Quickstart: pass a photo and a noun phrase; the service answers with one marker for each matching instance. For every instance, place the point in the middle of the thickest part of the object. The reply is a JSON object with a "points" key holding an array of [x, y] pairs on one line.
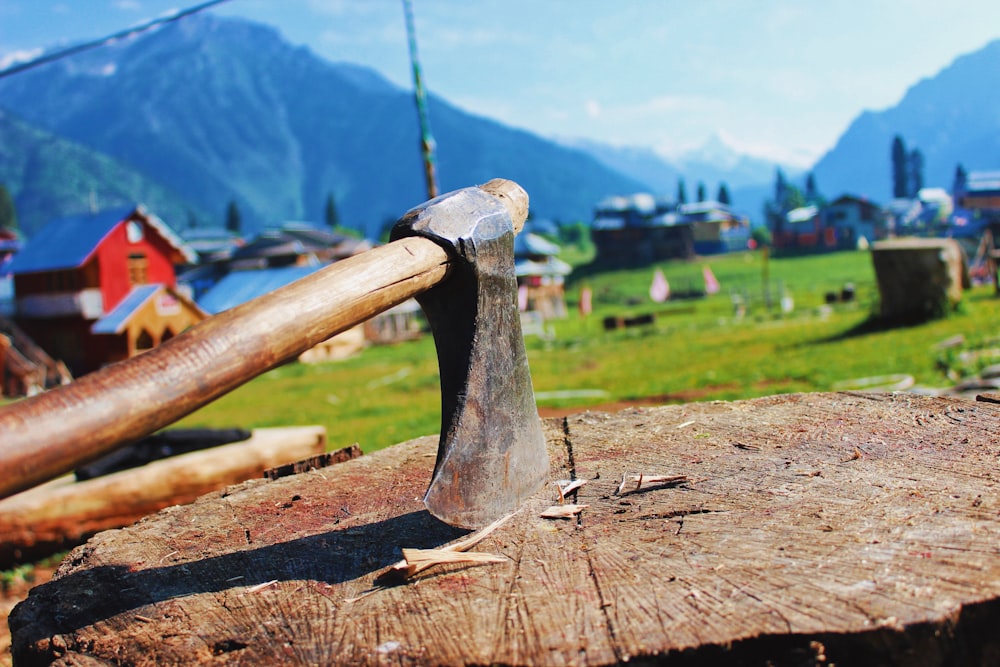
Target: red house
{"points": [[95, 289]]}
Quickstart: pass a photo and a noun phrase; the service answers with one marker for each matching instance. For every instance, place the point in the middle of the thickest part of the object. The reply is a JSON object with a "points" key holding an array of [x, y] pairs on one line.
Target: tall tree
{"points": [[958, 185], [8, 214], [233, 221], [900, 168], [915, 173], [330, 214], [701, 192], [682, 197], [812, 192], [780, 187], [723, 196]]}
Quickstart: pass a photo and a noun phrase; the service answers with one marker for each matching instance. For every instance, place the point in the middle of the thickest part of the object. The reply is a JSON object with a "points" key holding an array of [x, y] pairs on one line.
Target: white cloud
{"points": [[593, 108], [128, 5]]}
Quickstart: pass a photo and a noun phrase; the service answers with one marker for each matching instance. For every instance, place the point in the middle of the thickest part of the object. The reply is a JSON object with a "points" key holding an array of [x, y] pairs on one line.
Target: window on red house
{"points": [[138, 269]]}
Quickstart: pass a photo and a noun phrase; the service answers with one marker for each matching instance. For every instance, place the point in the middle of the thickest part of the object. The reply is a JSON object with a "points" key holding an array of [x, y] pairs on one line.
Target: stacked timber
{"points": [[64, 512]]}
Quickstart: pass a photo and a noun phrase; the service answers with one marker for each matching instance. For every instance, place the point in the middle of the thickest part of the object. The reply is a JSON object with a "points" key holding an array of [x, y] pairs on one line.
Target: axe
{"points": [[455, 253]]}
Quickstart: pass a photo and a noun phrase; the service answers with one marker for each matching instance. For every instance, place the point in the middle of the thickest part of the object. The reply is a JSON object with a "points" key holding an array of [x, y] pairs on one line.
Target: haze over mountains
{"points": [[212, 110]]}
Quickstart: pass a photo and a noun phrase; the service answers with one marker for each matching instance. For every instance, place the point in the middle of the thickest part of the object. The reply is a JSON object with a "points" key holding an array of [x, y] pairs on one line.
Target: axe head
{"points": [[492, 452]]}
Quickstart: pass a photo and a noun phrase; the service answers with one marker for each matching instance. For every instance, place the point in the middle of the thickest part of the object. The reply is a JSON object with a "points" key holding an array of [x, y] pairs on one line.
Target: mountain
{"points": [[52, 177], [951, 118], [219, 110], [748, 178]]}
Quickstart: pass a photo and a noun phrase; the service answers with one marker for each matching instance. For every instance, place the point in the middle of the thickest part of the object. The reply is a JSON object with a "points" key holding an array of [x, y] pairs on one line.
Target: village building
{"points": [[803, 229], [715, 228], [857, 222], [640, 230], [97, 288], [541, 276], [977, 200]]}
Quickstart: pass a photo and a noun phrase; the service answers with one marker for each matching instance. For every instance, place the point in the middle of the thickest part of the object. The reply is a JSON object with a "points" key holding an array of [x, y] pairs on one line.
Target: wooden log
{"points": [[63, 513], [846, 528]]}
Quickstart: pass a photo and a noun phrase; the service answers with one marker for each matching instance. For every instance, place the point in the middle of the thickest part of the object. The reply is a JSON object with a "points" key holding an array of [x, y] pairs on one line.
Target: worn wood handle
{"points": [[52, 433]]}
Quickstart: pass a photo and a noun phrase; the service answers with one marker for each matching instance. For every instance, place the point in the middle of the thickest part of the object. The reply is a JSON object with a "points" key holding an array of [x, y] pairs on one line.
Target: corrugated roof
{"points": [[68, 242], [242, 286], [114, 322], [802, 214], [552, 266], [533, 244]]}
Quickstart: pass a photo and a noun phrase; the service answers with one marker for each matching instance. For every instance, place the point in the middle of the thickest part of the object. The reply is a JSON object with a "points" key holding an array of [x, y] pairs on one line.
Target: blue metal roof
{"points": [[113, 322], [242, 286], [68, 242], [533, 244]]}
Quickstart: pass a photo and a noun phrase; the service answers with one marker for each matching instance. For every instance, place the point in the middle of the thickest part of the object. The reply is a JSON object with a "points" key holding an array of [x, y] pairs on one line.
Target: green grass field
{"points": [[695, 350]]}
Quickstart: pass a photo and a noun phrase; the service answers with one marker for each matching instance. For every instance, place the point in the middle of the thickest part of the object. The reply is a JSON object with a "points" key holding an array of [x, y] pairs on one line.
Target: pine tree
{"points": [[233, 221], [723, 196], [960, 183], [701, 192], [915, 173], [330, 214], [812, 192], [780, 187], [682, 196], [900, 168], [8, 214]]}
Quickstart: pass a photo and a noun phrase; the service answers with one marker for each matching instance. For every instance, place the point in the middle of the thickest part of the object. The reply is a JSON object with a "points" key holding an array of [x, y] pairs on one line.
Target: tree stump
{"points": [[919, 278], [849, 528]]}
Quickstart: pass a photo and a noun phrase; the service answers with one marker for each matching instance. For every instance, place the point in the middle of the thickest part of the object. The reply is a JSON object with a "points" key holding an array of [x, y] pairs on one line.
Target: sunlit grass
{"points": [[694, 350]]}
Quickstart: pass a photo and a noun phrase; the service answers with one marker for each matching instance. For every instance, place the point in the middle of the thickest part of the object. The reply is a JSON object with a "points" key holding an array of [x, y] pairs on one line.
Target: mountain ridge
{"points": [[223, 109]]}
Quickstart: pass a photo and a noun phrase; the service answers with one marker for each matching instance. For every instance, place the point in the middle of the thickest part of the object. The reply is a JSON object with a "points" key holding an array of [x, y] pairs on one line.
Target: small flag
{"points": [[659, 291], [711, 284], [586, 297]]}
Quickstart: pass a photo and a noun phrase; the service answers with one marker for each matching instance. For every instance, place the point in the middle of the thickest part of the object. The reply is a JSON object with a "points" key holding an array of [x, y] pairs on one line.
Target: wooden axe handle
{"points": [[52, 433]]}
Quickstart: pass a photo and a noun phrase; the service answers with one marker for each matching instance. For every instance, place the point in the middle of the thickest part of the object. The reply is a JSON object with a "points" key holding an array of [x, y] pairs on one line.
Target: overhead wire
{"points": [[46, 58]]}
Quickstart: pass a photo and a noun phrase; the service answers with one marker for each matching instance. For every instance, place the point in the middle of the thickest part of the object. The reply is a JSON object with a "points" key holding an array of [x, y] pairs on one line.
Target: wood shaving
{"points": [[562, 511], [404, 569], [647, 480], [418, 560], [567, 486]]}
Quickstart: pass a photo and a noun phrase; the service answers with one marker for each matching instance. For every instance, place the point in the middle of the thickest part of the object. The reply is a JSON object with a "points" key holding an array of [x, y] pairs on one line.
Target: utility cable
{"points": [[73, 50]]}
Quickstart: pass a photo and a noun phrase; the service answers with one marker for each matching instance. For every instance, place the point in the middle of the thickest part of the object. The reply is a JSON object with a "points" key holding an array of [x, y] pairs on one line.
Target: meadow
{"points": [[694, 350]]}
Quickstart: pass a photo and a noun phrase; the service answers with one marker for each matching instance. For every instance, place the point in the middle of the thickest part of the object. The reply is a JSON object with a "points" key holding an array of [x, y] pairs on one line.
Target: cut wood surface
{"points": [[60, 513], [846, 528]]}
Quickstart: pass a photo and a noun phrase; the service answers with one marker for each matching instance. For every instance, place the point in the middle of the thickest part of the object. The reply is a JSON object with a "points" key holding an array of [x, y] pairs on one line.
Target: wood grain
{"points": [[812, 529]]}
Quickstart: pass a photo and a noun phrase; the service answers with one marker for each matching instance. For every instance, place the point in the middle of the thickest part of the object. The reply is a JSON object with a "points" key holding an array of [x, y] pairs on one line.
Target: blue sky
{"points": [[775, 78]]}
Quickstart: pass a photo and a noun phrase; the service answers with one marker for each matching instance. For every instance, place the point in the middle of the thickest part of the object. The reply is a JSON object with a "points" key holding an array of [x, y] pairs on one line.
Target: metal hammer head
{"points": [[492, 454]]}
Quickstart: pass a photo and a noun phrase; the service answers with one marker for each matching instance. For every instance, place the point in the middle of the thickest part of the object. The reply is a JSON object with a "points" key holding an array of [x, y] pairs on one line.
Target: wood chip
{"points": [[260, 587], [420, 559], [567, 486], [404, 570], [643, 479], [562, 511]]}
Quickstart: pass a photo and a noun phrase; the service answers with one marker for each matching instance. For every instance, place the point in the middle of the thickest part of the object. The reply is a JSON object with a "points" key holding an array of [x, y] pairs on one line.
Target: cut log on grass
{"points": [[919, 278], [62, 513], [810, 529]]}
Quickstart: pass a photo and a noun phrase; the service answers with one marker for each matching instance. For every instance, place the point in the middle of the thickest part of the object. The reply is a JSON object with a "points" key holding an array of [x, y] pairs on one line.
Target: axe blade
{"points": [[492, 453]]}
